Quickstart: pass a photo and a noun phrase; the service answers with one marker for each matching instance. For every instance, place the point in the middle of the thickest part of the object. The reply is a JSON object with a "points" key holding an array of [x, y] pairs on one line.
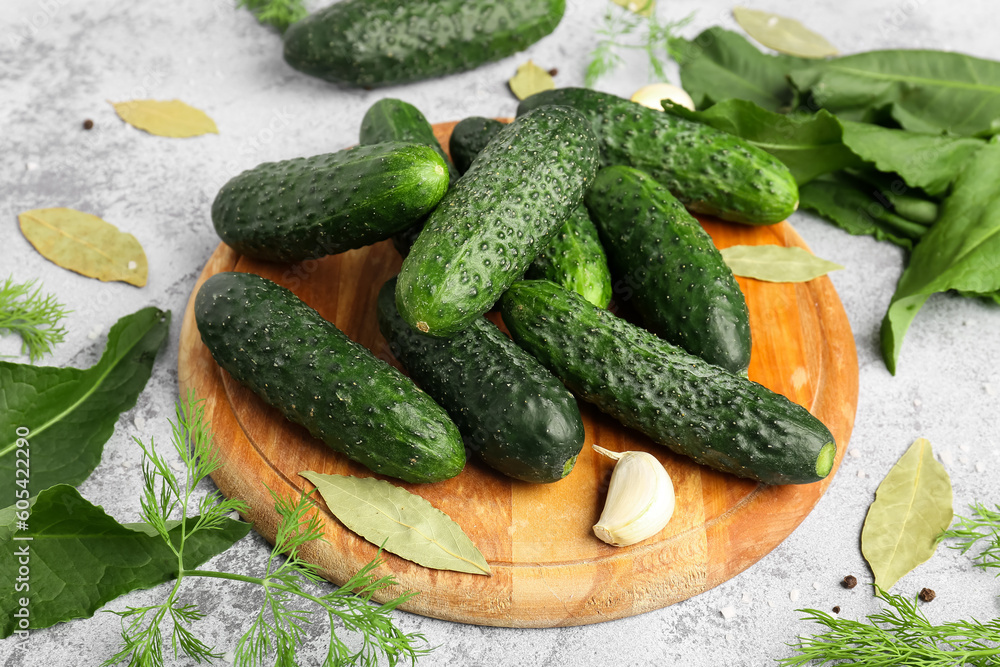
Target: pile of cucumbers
{"points": [[582, 197]]}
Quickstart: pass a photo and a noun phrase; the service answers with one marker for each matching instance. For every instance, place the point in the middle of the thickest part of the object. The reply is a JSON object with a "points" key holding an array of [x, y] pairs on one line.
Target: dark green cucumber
{"points": [[309, 207], [493, 222], [721, 420], [469, 137], [390, 119], [395, 120], [299, 362], [509, 409], [385, 42], [575, 259], [711, 171], [679, 283]]}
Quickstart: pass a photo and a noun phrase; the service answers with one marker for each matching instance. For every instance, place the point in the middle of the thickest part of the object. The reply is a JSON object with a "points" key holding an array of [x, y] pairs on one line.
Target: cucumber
{"points": [[373, 43], [469, 137], [720, 420], [575, 259], [493, 222], [679, 282], [513, 412], [390, 119], [309, 207], [711, 171], [299, 362], [395, 120]]}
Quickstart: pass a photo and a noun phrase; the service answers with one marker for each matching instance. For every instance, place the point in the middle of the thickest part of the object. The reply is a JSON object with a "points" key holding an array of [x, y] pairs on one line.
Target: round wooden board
{"points": [[548, 568]]}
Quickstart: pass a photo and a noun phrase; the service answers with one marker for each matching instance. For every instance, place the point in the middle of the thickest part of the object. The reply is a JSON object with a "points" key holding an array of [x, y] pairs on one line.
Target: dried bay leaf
{"points": [[530, 79], [783, 34], [640, 7], [86, 244], [912, 508], [400, 522], [171, 118], [776, 264]]}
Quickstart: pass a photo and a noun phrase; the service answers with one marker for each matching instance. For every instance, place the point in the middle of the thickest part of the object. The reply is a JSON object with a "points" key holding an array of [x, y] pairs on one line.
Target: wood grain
{"points": [[548, 568]]}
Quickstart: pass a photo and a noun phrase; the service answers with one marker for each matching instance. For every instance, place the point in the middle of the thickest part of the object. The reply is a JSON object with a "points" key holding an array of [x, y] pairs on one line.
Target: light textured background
{"points": [[61, 60]]}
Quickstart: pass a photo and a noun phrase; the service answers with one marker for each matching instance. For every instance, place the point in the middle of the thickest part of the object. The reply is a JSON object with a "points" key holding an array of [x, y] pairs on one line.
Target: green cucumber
{"points": [[299, 362], [513, 412], [390, 119], [395, 120], [386, 42], [575, 259], [469, 137], [309, 207], [679, 283], [493, 222], [720, 420], [711, 171]]}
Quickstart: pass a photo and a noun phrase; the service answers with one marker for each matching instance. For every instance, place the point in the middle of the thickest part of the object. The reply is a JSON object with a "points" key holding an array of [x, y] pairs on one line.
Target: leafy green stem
{"points": [[34, 317]]}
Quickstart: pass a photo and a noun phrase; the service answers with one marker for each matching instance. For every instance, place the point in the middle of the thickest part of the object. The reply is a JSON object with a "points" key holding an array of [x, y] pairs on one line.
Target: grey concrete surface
{"points": [[61, 60]]}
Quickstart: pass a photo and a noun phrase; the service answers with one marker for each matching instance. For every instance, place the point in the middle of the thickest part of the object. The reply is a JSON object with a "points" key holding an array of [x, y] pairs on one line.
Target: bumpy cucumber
{"points": [[385, 42], [309, 207], [709, 170], [390, 119], [721, 420], [493, 222], [299, 362], [519, 417], [469, 138], [680, 284], [575, 259]]}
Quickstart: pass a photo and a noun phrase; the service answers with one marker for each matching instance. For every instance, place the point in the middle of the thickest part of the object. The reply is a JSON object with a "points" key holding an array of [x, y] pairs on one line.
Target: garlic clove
{"points": [[640, 499], [652, 95]]}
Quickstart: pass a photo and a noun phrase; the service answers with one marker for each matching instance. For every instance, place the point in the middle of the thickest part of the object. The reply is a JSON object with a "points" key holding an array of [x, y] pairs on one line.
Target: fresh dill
{"points": [[898, 635], [624, 29], [277, 13], [32, 316], [984, 524], [287, 608]]}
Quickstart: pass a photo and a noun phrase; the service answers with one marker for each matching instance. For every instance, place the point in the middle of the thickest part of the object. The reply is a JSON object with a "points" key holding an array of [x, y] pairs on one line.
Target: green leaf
{"points": [[79, 558], [400, 522], [958, 253], [276, 13], [720, 64], [849, 204], [930, 90], [641, 7], [776, 264], [809, 144], [912, 507], [928, 161], [68, 413], [530, 79], [783, 34]]}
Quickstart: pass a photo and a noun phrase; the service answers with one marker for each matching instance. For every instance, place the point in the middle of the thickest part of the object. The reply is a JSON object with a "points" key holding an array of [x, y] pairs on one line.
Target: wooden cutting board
{"points": [[548, 568]]}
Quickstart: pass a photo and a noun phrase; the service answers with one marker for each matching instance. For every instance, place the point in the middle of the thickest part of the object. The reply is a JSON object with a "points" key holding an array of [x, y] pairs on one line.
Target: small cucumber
{"points": [[385, 42], [711, 171], [299, 362], [575, 259], [469, 137], [493, 222], [309, 207], [721, 420], [390, 119], [395, 120], [680, 284], [513, 412]]}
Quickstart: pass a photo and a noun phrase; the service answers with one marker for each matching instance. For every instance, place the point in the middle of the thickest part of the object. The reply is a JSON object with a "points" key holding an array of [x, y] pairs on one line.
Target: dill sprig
{"points": [[651, 36], [898, 635], [32, 316], [984, 524], [287, 608], [277, 13]]}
